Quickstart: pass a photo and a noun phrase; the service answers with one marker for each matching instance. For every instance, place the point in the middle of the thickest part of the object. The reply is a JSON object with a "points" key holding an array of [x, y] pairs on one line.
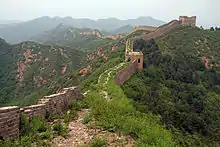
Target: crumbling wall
{"points": [[125, 73], [52, 104]]}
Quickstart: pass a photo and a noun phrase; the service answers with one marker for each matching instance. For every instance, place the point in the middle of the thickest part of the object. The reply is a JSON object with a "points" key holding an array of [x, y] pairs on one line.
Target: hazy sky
{"points": [[166, 10]]}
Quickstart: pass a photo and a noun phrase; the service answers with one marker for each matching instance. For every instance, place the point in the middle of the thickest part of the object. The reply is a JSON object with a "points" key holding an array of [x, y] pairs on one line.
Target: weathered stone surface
{"points": [[55, 103], [9, 122], [124, 74]]}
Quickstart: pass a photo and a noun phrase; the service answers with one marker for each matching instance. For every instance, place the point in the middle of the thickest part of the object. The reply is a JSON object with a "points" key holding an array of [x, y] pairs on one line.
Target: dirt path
{"points": [[81, 135], [108, 74]]}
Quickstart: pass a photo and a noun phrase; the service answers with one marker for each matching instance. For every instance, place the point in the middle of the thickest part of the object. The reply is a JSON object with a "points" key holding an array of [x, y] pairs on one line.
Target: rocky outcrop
{"points": [[64, 68], [100, 52], [85, 70]]}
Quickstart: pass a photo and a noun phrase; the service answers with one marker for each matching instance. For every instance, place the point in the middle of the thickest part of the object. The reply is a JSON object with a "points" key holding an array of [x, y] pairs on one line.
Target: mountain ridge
{"points": [[23, 31]]}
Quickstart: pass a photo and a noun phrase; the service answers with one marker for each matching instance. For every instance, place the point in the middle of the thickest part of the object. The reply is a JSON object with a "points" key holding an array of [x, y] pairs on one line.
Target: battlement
{"points": [[188, 21], [132, 56]]}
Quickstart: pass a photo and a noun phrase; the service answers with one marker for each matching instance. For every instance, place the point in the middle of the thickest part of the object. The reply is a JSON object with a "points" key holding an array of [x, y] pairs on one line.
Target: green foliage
{"points": [[46, 136], [87, 118], [32, 131], [119, 115], [176, 85], [97, 142], [38, 76], [60, 128], [37, 125]]}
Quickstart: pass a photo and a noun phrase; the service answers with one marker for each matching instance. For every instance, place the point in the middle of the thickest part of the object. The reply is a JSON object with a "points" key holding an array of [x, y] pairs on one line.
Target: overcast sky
{"points": [[166, 10]]}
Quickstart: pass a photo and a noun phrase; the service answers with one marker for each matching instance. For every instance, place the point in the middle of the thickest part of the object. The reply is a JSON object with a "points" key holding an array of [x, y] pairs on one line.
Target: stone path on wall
{"points": [[81, 135], [107, 74]]}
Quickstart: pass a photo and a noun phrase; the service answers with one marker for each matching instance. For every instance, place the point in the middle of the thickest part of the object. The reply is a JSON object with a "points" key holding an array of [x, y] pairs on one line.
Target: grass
{"points": [[119, 115], [98, 142], [61, 129]]}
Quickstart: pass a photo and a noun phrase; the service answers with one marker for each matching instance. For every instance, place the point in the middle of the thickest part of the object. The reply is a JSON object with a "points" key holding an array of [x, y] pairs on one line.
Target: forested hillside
{"points": [[180, 83], [28, 70], [83, 39]]}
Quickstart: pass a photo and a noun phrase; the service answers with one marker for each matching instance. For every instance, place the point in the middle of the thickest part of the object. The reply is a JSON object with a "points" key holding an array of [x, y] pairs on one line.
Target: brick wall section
{"points": [[146, 28], [53, 104], [188, 21], [34, 110], [163, 30], [125, 73], [9, 122]]}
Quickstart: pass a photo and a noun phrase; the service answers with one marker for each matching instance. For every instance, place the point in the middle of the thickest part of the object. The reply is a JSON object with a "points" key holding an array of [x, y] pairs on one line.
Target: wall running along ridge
{"points": [[136, 58], [145, 28], [125, 73], [52, 104]]}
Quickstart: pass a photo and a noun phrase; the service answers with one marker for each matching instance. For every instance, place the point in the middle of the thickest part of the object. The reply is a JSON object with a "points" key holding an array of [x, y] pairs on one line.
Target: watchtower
{"points": [[132, 56], [188, 21]]}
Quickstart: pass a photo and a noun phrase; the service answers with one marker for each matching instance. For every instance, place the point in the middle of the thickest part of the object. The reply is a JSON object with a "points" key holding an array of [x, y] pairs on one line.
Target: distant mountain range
{"points": [[23, 31], [72, 37]]}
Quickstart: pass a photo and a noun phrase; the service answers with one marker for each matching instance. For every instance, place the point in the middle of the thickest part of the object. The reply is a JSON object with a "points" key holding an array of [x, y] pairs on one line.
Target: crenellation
{"points": [[132, 56], [188, 21]]}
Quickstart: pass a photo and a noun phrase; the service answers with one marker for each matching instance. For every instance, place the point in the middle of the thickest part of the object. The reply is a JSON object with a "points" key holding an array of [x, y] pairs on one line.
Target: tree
{"points": [[212, 29]]}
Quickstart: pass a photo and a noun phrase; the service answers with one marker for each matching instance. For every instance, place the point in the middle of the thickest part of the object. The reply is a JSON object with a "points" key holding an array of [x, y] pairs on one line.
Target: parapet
{"points": [[53, 104], [188, 21]]}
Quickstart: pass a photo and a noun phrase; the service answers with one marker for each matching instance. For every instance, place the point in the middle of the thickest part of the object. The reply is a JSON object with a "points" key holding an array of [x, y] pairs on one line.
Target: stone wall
{"points": [[188, 21], [9, 122], [125, 73], [163, 30], [53, 104], [145, 28]]}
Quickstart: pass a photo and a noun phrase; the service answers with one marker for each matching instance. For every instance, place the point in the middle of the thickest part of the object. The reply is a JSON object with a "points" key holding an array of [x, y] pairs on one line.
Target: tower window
{"points": [[139, 60]]}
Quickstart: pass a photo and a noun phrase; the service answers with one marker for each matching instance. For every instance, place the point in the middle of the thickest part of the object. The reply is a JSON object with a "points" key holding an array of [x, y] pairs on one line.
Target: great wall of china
{"points": [[52, 104], [56, 103], [136, 58]]}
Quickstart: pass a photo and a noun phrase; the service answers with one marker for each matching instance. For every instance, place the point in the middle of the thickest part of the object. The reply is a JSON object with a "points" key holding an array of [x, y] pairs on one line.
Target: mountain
{"points": [[173, 101], [29, 70], [79, 38], [123, 30], [23, 31], [180, 83]]}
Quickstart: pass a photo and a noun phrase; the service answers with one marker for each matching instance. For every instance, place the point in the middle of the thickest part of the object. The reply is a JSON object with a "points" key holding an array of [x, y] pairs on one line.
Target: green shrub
{"points": [[120, 115], [46, 135], [87, 118], [37, 125], [98, 142], [67, 117], [77, 105], [24, 125], [60, 128]]}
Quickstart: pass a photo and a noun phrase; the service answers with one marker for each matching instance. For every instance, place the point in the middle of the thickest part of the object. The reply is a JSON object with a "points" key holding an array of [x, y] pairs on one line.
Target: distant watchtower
{"points": [[132, 56], [188, 21]]}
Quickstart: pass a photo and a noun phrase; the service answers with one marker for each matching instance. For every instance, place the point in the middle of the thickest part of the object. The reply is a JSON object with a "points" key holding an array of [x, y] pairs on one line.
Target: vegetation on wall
{"points": [[177, 85]]}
